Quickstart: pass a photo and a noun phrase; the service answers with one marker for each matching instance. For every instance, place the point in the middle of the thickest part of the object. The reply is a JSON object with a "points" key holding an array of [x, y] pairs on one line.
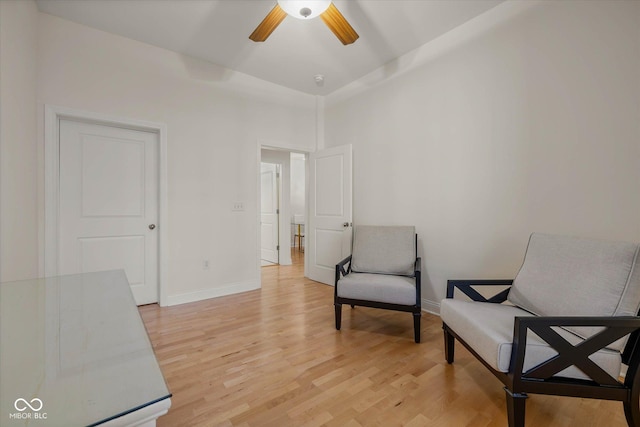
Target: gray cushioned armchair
{"points": [[383, 271], [564, 326]]}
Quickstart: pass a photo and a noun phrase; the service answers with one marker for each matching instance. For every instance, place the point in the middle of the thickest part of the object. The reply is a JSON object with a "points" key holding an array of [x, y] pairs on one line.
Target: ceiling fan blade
{"points": [[339, 25], [268, 24]]}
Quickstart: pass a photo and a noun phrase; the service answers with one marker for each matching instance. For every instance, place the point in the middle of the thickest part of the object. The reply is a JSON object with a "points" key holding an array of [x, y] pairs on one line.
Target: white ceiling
{"points": [[217, 31]]}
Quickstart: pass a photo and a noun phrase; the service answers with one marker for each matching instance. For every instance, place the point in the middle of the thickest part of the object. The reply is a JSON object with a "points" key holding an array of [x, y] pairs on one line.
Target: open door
{"points": [[269, 212], [330, 211]]}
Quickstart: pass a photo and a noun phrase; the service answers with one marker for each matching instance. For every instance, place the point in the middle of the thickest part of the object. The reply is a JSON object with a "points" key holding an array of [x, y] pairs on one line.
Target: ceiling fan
{"points": [[306, 9]]}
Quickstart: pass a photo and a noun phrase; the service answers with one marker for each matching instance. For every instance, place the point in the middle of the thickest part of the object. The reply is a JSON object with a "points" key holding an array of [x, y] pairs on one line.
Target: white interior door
{"points": [[108, 204], [330, 211], [269, 211]]}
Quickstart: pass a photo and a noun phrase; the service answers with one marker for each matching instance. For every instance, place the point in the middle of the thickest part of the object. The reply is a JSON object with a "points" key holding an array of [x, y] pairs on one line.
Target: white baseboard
{"points": [[431, 307], [203, 294]]}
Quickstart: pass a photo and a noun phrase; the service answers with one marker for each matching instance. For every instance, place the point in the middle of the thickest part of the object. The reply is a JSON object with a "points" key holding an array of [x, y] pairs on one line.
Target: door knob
{"points": [[346, 224], [152, 226]]}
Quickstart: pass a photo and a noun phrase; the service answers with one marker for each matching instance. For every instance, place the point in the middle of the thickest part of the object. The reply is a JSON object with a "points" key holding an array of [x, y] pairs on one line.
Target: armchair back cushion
{"points": [[568, 276], [384, 250]]}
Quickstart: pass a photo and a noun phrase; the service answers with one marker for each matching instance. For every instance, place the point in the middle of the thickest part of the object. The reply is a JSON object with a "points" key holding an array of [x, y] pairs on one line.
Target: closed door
{"points": [[330, 207], [108, 204], [269, 210]]}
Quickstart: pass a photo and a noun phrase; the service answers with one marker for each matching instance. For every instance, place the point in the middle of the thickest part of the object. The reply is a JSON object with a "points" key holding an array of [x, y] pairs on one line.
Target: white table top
{"points": [[74, 349]]}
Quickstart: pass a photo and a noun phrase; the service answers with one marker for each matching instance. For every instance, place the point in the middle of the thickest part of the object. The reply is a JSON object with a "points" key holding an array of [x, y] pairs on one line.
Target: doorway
{"points": [[291, 206], [298, 203]]}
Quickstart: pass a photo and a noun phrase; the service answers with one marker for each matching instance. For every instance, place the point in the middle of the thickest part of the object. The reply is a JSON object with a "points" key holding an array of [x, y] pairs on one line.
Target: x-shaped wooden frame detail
{"points": [[467, 288], [569, 354]]}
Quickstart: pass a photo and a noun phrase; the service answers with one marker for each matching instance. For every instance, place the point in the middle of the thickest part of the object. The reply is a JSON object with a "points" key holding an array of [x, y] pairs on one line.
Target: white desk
{"points": [[74, 352]]}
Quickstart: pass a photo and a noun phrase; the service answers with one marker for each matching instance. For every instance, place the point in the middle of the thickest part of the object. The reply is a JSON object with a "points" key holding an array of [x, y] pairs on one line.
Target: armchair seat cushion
{"points": [[488, 329], [378, 287]]}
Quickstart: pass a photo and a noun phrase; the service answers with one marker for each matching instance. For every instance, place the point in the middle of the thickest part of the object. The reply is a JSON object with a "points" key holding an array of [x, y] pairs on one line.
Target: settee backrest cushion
{"points": [[384, 249], [569, 276]]}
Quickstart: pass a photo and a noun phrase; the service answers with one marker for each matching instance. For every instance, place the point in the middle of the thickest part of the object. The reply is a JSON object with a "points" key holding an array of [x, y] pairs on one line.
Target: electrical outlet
{"points": [[238, 206], [205, 264]]}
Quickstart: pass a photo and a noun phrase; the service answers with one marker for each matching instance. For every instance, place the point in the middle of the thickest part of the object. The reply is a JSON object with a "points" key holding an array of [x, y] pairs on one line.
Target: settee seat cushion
{"points": [[488, 329], [378, 287]]}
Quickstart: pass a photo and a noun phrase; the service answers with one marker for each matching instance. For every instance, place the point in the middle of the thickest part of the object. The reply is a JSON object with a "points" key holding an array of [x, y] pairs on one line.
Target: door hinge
{"points": [[278, 211], [278, 248]]}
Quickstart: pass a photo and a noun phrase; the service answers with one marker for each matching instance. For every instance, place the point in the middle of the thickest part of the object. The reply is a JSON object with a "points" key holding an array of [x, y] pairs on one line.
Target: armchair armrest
{"points": [[614, 328], [340, 270], [467, 288], [417, 272]]}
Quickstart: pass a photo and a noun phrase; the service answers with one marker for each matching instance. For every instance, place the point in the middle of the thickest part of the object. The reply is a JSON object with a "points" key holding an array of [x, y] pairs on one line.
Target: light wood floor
{"points": [[272, 357]]}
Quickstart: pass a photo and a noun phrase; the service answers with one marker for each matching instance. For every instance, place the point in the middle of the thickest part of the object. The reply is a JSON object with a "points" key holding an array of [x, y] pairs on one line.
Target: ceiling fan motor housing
{"points": [[305, 11]]}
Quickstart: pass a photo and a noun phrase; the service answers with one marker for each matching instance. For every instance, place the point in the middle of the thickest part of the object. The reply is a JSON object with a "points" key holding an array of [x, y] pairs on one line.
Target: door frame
{"points": [[52, 116]]}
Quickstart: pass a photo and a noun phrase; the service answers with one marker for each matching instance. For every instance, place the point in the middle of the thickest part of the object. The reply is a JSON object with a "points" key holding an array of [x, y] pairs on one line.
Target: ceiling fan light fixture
{"points": [[304, 9]]}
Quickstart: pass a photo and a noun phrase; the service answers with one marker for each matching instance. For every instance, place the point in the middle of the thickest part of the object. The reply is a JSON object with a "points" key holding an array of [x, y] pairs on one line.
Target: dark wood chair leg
{"points": [[516, 403], [632, 413], [338, 308], [416, 326], [632, 408], [449, 346]]}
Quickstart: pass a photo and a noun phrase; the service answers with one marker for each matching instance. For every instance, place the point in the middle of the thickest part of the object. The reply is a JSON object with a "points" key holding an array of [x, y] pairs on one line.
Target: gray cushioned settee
{"points": [[564, 326]]}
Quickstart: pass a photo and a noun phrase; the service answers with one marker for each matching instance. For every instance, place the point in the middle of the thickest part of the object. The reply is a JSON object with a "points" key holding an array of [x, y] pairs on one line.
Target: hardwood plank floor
{"points": [[272, 357]]}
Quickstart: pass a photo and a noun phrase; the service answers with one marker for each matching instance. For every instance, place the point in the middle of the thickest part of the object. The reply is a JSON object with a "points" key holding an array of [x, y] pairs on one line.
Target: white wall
{"points": [[18, 136], [532, 124], [215, 118]]}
